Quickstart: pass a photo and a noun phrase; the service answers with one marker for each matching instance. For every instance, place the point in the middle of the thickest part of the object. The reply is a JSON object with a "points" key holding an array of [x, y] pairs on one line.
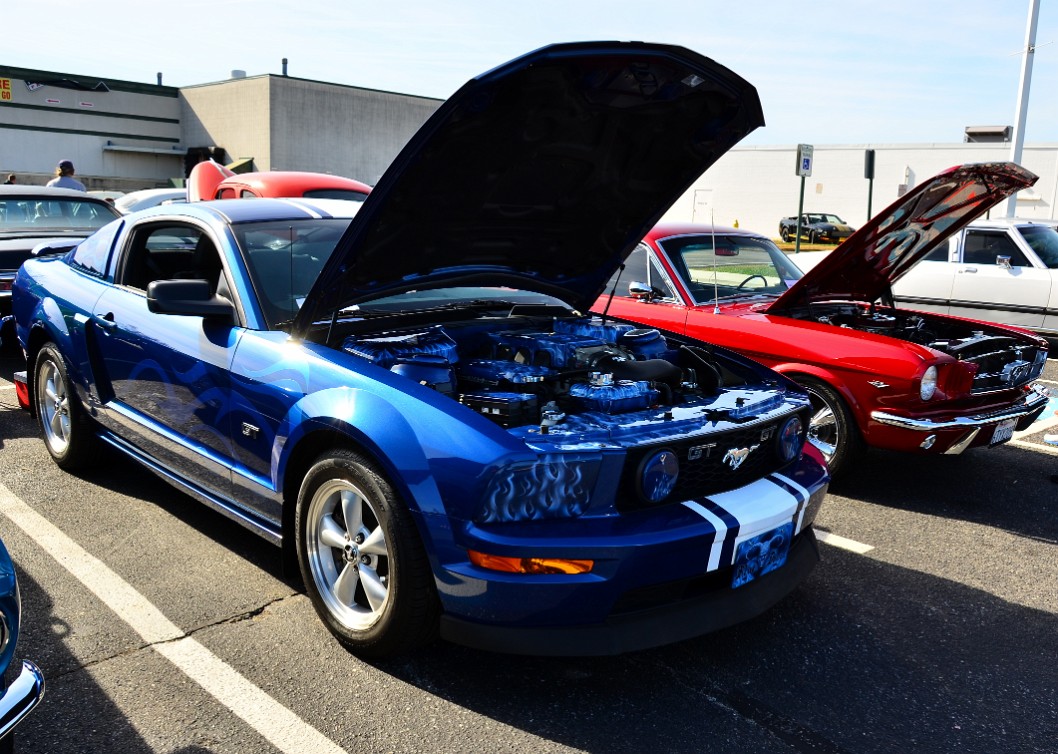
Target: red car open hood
{"points": [[865, 266]]}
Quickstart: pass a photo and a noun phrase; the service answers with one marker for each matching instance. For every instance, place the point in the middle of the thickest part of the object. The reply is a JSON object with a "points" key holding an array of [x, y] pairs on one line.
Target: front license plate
{"points": [[761, 554], [1003, 432]]}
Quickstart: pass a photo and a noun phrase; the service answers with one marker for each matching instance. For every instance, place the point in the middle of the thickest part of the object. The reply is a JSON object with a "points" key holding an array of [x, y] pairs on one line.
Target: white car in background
{"points": [[137, 200], [1003, 271]]}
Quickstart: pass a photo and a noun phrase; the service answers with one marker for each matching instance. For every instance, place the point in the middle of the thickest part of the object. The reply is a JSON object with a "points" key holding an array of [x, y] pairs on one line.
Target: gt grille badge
{"points": [[693, 454], [250, 431], [735, 456]]}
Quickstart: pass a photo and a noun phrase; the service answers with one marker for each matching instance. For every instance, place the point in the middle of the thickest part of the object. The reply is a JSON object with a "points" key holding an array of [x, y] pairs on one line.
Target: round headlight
{"points": [[791, 439], [929, 384], [657, 476]]}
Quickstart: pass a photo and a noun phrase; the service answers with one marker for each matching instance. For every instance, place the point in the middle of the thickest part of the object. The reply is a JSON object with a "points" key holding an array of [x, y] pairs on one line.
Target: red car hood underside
{"points": [[866, 265]]}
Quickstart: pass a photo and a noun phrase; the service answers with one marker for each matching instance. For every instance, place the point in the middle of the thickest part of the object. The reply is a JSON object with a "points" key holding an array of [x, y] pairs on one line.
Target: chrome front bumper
{"points": [[21, 697], [1034, 401]]}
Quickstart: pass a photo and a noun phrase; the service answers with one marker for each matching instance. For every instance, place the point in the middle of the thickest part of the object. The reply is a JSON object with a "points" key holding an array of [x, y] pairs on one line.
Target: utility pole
{"points": [[1023, 96]]}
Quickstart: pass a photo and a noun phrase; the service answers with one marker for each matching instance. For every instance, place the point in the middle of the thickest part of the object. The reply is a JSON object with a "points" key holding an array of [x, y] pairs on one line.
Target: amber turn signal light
{"points": [[529, 565]]}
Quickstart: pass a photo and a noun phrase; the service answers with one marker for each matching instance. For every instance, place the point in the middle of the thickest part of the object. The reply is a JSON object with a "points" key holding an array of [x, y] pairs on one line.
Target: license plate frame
{"points": [[1003, 432], [761, 554]]}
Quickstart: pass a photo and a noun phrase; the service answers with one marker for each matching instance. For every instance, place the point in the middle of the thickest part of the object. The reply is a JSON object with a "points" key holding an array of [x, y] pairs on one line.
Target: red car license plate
{"points": [[1003, 432]]}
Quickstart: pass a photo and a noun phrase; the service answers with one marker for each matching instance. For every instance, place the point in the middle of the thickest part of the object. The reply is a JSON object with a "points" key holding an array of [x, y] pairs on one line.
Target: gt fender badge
{"points": [[735, 456]]}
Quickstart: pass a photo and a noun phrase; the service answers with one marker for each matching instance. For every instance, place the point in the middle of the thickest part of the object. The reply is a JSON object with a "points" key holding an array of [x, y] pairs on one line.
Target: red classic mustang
{"points": [[877, 375], [211, 180]]}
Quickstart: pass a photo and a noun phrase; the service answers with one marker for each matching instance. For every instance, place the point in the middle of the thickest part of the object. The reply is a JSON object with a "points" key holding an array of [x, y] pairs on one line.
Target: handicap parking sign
{"points": [[804, 160]]}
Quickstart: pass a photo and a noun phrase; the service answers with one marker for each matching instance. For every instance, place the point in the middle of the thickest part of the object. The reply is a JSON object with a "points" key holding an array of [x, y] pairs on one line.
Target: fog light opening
{"points": [[507, 564], [928, 442]]}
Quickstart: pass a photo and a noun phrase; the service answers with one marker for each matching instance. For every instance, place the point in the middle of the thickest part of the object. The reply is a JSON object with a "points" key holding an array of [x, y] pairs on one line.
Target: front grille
{"points": [[1005, 367], [705, 467]]}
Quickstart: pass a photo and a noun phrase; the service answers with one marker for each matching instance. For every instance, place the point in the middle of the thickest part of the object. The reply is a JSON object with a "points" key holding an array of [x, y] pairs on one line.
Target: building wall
{"points": [[232, 114], [122, 135], [757, 186], [343, 130], [285, 123]]}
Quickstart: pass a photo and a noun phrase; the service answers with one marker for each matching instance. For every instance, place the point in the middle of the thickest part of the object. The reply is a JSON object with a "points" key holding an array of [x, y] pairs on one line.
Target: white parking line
{"points": [[845, 544], [1037, 446], [280, 726]]}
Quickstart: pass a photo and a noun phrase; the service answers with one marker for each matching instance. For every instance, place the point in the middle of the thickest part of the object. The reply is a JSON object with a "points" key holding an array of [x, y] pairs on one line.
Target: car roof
{"points": [[21, 189], [293, 180], [1006, 222], [254, 210]]}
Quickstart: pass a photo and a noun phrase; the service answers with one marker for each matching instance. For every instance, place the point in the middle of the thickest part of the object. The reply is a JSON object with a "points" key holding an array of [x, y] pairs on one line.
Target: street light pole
{"points": [[1023, 96]]}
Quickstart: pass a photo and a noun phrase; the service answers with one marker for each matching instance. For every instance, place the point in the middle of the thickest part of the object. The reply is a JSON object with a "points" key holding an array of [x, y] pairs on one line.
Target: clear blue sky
{"points": [[828, 72]]}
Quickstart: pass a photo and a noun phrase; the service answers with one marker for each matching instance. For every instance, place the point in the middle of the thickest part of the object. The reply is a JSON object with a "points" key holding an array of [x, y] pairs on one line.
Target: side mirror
{"points": [[644, 292], [188, 297], [1003, 262]]}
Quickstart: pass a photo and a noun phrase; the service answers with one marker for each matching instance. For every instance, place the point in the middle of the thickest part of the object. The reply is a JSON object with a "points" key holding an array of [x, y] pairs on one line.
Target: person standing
{"points": [[64, 177]]}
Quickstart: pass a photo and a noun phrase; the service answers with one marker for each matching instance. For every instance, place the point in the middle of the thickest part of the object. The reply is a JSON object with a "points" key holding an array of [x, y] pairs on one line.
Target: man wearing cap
{"points": [[64, 177]]}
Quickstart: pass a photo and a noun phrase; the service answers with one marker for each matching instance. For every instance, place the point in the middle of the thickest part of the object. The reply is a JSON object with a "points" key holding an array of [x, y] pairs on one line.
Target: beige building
{"points": [[124, 135]]}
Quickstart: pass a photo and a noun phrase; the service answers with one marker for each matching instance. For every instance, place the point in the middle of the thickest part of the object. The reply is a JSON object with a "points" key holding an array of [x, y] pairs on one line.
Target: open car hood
{"points": [[541, 174], [866, 265]]}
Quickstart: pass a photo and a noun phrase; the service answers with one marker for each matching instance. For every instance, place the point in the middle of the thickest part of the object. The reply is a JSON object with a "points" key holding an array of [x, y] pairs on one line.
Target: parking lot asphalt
{"points": [[931, 625]]}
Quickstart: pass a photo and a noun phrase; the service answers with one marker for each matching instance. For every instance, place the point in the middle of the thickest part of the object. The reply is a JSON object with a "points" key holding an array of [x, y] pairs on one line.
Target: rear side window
{"points": [[93, 253]]}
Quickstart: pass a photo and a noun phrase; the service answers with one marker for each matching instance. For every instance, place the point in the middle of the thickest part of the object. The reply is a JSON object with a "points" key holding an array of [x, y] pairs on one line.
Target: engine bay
{"points": [[572, 375], [1000, 359]]}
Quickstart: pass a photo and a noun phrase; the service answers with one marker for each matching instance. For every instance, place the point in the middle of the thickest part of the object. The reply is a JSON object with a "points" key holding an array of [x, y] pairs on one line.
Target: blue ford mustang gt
{"points": [[408, 396]]}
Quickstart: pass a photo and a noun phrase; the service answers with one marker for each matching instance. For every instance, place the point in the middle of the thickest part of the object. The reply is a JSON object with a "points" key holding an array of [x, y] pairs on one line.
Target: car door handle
{"points": [[105, 320], [969, 269]]}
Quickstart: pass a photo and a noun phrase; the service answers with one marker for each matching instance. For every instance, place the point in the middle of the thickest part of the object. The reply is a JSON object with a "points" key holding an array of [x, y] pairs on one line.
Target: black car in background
{"points": [[31, 215]]}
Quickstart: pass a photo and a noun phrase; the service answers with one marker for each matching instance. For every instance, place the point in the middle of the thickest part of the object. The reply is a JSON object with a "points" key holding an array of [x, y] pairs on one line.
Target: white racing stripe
{"points": [[280, 726], [845, 544], [721, 532]]}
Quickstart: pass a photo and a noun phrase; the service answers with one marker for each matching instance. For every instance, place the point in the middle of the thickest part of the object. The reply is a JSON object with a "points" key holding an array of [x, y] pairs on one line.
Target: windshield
{"points": [[726, 266], [285, 258], [37, 215], [1042, 239], [824, 218]]}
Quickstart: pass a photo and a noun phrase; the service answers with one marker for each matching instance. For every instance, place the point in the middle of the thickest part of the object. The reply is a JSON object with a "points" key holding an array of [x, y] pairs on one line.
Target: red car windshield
{"points": [[716, 267]]}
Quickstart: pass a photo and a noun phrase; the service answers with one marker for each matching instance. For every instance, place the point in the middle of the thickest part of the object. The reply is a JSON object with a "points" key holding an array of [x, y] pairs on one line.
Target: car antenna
{"points": [[620, 271], [712, 236]]}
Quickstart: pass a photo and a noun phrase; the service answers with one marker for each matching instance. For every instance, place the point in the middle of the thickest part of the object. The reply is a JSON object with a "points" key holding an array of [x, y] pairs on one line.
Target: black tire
{"points": [[369, 579], [785, 235], [832, 428], [68, 432]]}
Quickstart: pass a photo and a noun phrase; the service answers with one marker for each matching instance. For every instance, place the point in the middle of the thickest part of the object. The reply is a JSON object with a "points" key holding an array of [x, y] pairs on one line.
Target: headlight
{"points": [[929, 384], [791, 439], [555, 486]]}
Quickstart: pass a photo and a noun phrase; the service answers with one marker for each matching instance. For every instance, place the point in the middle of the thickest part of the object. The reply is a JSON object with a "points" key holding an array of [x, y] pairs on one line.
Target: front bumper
{"points": [[651, 626], [24, 693], [961, 432], [659, 576]]}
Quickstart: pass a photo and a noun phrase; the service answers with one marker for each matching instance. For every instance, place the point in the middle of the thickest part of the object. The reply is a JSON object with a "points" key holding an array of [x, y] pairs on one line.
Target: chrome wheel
{"points": [[53, 406], [831, 429], [347, 554], [823, 430]]}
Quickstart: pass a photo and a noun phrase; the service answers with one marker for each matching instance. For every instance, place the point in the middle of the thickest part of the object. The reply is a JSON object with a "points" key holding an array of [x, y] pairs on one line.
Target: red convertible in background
{"points": [[211, 180], [878, 376]]}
